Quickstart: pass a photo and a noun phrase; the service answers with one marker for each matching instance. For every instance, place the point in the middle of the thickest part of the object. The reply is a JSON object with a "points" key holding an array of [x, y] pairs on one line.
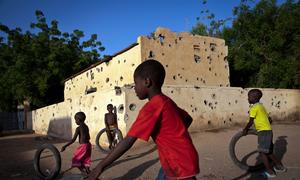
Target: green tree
{"points": [[34, 65], [263, 41]]}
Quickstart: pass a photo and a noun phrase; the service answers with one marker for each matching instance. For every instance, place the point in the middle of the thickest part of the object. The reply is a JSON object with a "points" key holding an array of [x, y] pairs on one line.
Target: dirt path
{"points": [[17, 152]]}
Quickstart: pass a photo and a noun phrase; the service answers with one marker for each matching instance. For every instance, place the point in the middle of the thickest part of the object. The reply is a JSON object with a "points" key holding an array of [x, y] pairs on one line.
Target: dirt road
{"points": [[17, 152]]}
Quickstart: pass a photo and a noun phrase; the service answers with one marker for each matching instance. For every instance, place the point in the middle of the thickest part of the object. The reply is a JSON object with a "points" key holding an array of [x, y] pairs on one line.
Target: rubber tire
{"points": [[36, 161], [98, 138], [232, 154]]}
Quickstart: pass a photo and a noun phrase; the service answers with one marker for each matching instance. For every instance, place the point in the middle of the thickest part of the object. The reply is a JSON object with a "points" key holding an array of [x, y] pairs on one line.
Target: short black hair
{"points": [[256, 93], [80, 116], [152, 69], [109, 105]]}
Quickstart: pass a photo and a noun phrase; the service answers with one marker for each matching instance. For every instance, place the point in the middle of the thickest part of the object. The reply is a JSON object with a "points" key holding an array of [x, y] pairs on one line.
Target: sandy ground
{"points": [[17, 152]]}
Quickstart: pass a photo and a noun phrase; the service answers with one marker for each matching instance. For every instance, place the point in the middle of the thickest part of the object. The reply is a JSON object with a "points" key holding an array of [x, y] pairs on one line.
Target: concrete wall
{"points": [[221, 107], [197, 79], [188, 59]]}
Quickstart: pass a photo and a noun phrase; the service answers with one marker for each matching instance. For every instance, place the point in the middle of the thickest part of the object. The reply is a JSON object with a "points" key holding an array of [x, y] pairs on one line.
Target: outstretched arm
{"points": [[118, 151], [115, 116], [72, 141], [249, 124]]}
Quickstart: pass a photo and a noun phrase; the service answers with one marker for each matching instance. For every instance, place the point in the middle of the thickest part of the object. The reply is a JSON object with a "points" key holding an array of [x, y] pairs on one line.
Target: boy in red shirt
{"points": [[164, 121]]}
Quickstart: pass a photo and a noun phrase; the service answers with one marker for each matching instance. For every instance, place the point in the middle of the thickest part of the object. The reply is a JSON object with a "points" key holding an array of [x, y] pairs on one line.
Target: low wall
{"points": [[210, 107]]}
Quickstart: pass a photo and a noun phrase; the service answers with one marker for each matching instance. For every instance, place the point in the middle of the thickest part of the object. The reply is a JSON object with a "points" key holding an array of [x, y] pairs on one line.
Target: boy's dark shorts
{"points": [[265, 141]]}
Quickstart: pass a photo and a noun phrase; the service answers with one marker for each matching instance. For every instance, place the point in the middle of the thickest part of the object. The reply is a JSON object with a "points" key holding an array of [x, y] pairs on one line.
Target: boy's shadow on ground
{"points": [[280, 148]]}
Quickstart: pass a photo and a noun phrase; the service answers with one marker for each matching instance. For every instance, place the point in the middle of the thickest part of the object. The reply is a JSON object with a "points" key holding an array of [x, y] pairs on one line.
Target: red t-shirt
{"points": [[162, 119]]}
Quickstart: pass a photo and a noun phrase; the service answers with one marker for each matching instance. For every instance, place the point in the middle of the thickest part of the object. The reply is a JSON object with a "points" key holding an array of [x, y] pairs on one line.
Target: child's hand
{"points": [[63, 149]]}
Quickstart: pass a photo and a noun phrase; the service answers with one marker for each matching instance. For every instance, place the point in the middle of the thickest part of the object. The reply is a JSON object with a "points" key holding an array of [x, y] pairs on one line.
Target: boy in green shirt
{"points": [[259, 116]]}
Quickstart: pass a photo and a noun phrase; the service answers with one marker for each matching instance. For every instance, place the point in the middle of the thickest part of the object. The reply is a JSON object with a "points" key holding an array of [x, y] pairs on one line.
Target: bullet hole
{"points": [[174, 77], [210, 104], [53, 114], [110, 84], [186, 80], [121, 78], [172, 92], [118, 61], [208, 122], [204, 81], [197, 79], [132, 107], [121, 108], [232, 114], [162, 54], [224, 122], [196, 109], [101, 69], [230, 119], [213, 96], [167, 65], [216, 103], [178, 74], [179, 38], [161, 38], [98, 70], [175, 41], [196, 87], [91, 90], [225, 58], [151, 54], [87, 74], [132, 64], [229, 103], [170, 45], [191, 105], [196, 48], [205, 102], [197, 58], [204, 42], [107, 80], [124, 61], [236, 101], [205, 49], [285, 102], [215, 74], [209, 69], [118, 90], [226, 66], [95, 108], [180, 77], [221, 53], [212, 46], [92, 76], [192, 110]]}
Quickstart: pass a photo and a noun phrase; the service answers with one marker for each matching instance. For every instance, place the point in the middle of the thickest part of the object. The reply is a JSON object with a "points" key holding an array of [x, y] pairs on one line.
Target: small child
{"points": [[111, 123], [164, 121], [259, 116], [82, 156]]}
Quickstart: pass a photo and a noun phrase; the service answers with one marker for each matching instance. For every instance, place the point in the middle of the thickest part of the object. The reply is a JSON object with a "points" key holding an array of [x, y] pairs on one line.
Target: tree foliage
{"points": [[33, 66], [264, 44]]}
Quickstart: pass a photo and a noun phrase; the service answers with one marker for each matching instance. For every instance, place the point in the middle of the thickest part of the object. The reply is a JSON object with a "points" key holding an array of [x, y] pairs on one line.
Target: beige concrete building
{"points": [[197, 78]]}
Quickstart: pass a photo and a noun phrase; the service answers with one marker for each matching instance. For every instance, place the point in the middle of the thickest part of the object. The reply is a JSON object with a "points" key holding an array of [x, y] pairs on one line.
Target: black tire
{"points": [[232, 153], [36, 162], [102, 140]]}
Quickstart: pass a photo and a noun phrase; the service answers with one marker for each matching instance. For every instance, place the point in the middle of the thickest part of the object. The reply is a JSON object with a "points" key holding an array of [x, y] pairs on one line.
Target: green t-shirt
{"points": [[260, 115]]}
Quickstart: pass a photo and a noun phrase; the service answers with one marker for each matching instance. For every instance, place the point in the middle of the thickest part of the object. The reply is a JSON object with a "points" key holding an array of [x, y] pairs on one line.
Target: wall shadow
{"points": [[60, 128], [280, 148], [137, 171]]}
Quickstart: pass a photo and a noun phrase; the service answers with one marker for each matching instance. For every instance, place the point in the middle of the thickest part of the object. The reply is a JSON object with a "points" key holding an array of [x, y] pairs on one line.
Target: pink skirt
{"points": [[82, 156]]}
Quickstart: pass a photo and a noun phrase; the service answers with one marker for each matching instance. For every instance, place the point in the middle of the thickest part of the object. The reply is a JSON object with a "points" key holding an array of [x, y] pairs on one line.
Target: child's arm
{"points": [[72, 141], [118, 151], [249, 124]]}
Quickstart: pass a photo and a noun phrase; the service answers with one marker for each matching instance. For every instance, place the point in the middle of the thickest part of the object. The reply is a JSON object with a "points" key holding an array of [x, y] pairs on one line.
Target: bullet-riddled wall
{"points": [[197, 79]]}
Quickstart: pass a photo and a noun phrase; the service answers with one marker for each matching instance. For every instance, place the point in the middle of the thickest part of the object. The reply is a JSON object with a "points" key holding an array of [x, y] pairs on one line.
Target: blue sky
{"points": [[117, 23]]}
